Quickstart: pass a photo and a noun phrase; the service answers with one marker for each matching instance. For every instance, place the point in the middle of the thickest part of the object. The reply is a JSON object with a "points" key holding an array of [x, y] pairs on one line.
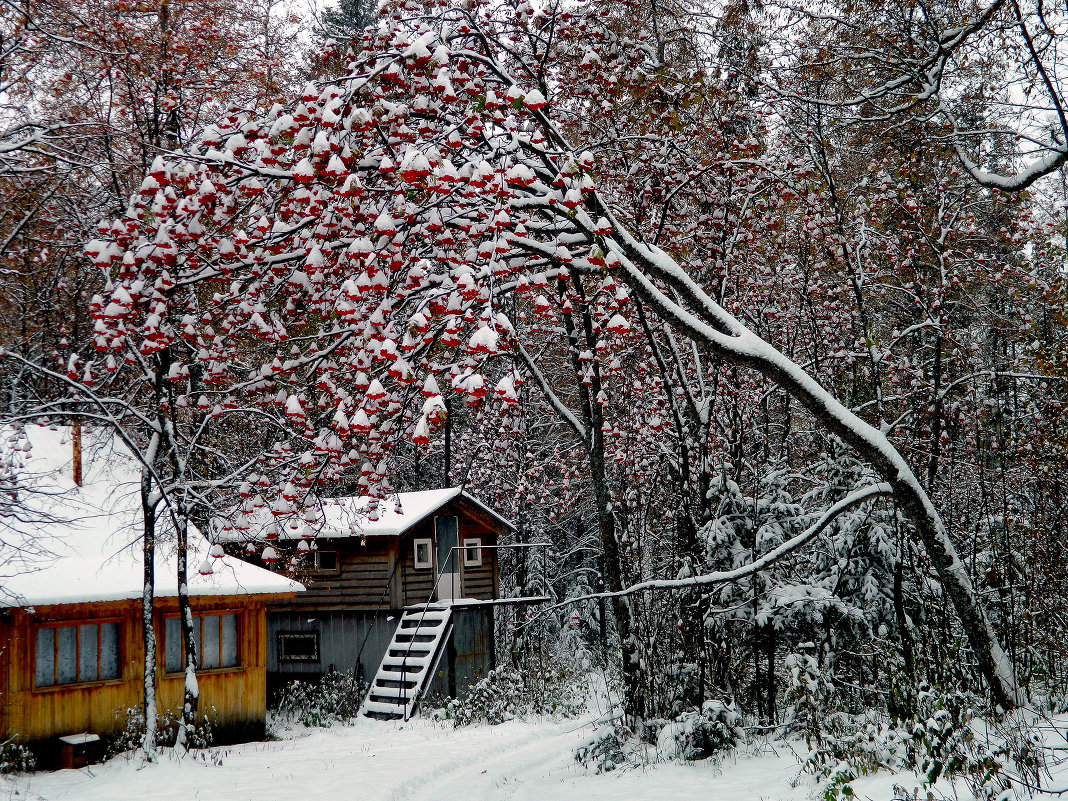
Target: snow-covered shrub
{"points": [[335, 698], [606, 752], [810, 697], [938, 741], [852, 746], [16, 758], [132, 734], [505, 694], [700, 735]]}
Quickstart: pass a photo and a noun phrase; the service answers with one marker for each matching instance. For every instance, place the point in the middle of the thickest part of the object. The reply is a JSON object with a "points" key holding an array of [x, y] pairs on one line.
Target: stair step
{"points": [[420, 625], [408, 637], [412, 662], [393, 684], [394, 693], [385, 710], [430, 614]]}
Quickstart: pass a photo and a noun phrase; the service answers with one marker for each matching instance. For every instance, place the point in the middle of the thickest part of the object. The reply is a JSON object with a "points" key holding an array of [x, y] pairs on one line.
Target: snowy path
{"points": [[418, 761]]}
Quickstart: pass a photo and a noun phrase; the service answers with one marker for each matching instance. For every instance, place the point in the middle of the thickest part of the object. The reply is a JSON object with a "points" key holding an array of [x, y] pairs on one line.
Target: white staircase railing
{"points": [[409, 663]]}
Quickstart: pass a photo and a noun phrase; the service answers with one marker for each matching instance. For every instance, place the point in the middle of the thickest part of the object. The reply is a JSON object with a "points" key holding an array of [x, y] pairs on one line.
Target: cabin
{"points": [[403, 597], [71, 644]]}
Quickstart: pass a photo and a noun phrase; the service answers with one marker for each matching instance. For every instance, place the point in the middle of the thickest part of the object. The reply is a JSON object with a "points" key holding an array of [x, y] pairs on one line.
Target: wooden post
{"points": [[76, 445]]}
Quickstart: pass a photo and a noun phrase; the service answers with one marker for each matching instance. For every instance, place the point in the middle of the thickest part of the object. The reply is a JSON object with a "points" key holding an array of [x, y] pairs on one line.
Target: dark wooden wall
{"points": [[365, 567], [342, 635], [470, 656]]}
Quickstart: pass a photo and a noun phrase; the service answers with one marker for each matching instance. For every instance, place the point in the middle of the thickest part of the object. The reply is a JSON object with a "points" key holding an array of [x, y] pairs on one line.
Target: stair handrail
{"points": [[422, 616], [375, 620], [426, 608]]}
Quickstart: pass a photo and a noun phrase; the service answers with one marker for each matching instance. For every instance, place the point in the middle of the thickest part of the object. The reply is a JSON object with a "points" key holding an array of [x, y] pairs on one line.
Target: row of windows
{"points": [[87, 652], [424, 555], [327, 561]]}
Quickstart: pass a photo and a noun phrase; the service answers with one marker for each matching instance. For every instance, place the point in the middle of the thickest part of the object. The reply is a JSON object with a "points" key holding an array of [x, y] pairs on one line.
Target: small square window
{"points": [[424, 556], [326, 562], [472, 552]]}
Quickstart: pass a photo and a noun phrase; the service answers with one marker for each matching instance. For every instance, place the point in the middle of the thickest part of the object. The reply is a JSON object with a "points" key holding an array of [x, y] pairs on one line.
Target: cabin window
{"points": [[472, 551], [216, 639], [298, 646], [77, 653], [325, 562], [424, 556]]}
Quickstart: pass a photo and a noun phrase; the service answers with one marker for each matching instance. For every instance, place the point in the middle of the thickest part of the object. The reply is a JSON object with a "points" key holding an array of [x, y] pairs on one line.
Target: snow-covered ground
{"points": [[423, 760], [385, 761]]}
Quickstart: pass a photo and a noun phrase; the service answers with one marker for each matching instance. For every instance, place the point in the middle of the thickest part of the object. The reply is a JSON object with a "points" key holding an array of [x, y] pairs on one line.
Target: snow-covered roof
{"points": [[349, 517], [84, 543]]}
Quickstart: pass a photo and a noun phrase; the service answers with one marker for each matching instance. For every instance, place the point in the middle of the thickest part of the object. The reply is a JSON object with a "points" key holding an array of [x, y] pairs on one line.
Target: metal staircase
{"points": [[410, 662]]}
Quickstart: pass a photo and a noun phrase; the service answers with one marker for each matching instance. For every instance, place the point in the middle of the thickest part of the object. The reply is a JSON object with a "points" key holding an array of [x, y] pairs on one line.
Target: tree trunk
{"points": [[148, 632], [191, 693], [718, 330]]}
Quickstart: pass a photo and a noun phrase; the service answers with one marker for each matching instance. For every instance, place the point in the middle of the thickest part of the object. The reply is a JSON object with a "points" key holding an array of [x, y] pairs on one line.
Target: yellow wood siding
{"points": [[238, 695]]}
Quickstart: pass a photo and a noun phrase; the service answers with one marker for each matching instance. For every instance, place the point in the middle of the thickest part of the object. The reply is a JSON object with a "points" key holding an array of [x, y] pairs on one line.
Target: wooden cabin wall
{"points": [[476, 582], [479, 582], [238, 695], [365, 568], [99, 707], [234, 699], [417, 583], [346, 640]]}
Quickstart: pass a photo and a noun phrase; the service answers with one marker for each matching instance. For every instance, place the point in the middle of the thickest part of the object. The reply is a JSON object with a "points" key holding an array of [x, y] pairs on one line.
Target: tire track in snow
{"points": [[495, 772]]}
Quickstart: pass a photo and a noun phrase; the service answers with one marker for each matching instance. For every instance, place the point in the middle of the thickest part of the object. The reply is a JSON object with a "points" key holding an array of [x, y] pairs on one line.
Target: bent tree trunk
{"points": [[699, 317]]}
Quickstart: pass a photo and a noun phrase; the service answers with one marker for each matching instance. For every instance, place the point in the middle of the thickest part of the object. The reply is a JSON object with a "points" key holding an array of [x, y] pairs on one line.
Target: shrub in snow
{"points": [[606, 752], [16, 758], [699, 735], [505, 694], [943, 739], [335, 698], [810, 697], [132, 734]]}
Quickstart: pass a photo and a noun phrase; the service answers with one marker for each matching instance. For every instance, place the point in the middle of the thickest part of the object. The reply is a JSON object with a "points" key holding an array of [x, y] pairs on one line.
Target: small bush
{"points": [[700, 735], [335, 698], [939, 740], [504, 694], [16, 758], [132, 735], [605, 752]]}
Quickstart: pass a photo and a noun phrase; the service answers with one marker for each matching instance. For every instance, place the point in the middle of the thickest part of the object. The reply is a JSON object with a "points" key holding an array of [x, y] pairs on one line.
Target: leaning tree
{"points": [[355, 255]]}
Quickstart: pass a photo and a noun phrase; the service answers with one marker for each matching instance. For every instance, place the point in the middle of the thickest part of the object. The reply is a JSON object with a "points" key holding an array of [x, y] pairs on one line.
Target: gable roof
{"points": [[348, 516], [85, 541], [396, 514]]}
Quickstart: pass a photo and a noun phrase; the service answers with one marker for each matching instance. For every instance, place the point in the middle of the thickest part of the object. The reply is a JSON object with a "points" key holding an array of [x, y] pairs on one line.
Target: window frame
{"points": [[199, 616], [282, 659], [472, 545], [424, 564], [77, 624], [319, 570]]}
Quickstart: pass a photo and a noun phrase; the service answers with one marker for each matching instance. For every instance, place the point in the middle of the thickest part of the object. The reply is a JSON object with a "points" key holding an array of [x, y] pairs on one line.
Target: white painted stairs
{"points": [[409, 663]]}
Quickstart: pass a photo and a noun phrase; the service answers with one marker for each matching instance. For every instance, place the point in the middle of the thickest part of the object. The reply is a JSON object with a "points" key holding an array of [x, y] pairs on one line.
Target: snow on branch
{"points": [[771, 557]]}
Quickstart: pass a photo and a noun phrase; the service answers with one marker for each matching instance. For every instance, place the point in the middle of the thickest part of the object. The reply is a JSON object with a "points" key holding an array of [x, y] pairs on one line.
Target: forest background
{"points": [[755, 312]]}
